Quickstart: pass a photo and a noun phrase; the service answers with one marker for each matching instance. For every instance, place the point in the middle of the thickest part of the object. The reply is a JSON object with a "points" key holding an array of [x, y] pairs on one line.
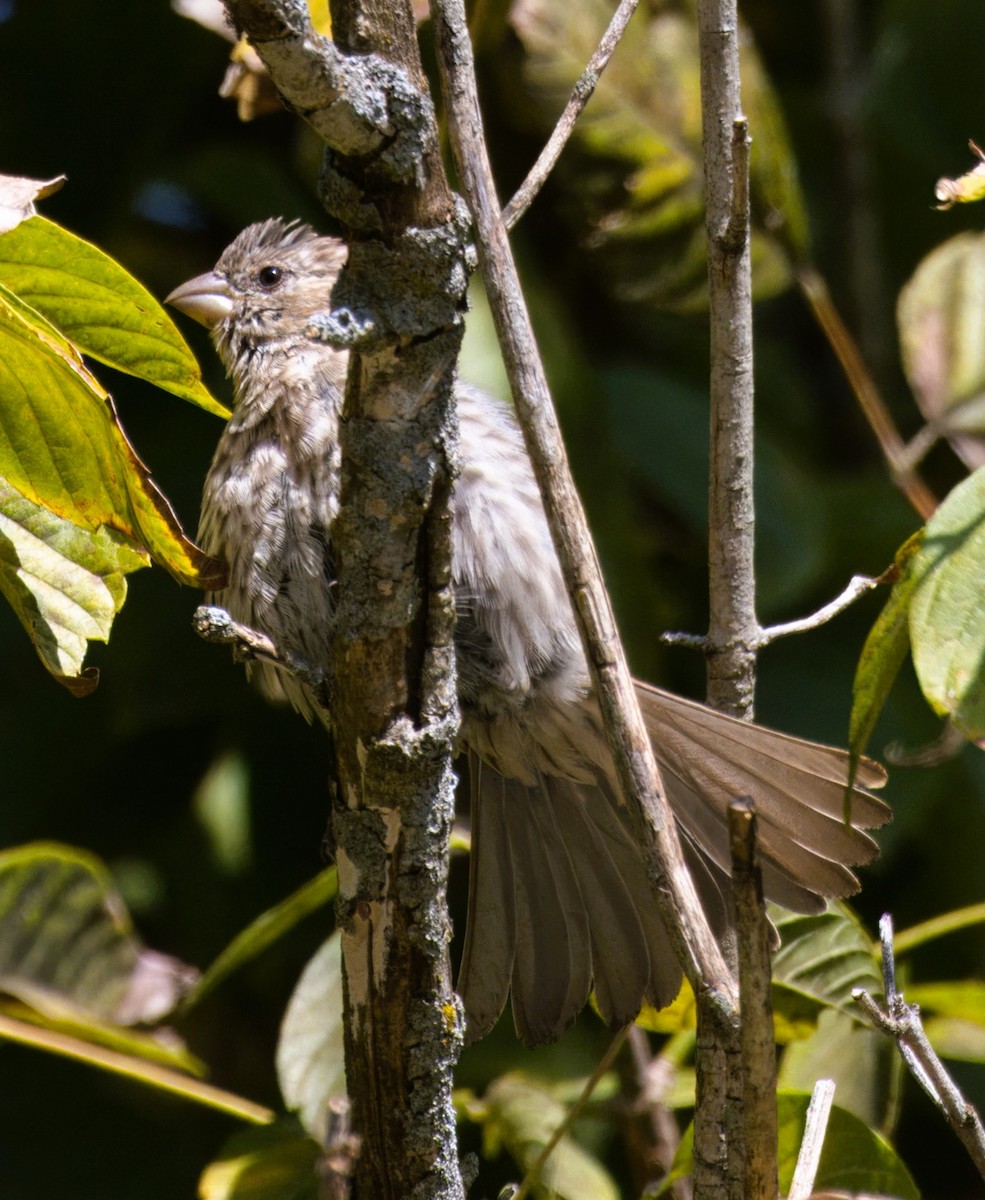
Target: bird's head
{"points": [[264, 287]]}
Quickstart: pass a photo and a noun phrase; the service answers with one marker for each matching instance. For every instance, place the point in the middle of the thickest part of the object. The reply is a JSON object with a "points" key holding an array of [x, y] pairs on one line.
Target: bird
{"points": [[560, 904]]}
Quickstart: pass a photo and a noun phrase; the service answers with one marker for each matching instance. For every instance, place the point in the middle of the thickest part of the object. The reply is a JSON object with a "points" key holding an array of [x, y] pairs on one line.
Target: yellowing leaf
{"points": [[65, 584], [62, 446], [100, 307], [272, 1163], [967, 188]]}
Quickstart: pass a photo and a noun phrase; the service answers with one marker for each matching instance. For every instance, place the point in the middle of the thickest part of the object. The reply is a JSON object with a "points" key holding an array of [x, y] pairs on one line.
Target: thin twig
{"points": [[632, 752], [214, 625], [651, 1132], [813, 1141], [581, 93], [604, 1063], [756, 1007], [732, 626], [857, 587], [902, 1022], [904, 475]]}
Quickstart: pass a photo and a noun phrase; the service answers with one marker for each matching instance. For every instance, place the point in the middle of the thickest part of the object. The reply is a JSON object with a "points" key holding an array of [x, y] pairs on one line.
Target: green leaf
{"points": [[939, 320], [631, 176], [947, 631], [266, 930], [862, 1061], [271, 1163], [825, 956], [926, 931], [62, 446], [64, 583], [311, 1049], [521, 1115], [854, 1160], [882, 656], [100, 307], [74, 978], [953, 1016], [67, 948]]}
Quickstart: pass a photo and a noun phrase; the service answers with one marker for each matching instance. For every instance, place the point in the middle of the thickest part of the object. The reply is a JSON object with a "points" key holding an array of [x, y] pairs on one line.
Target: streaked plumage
{"points": [[559, 899]]}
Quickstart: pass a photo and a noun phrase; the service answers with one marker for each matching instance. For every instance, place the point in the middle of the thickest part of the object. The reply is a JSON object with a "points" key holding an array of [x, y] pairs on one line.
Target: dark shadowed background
{"points": [[121, 96]]}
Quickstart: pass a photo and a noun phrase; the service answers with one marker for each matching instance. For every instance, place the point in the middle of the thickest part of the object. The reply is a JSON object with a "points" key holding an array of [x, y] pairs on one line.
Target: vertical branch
{"points": [[733, 629], [632, 753], [756, 1005], [397, 309]]}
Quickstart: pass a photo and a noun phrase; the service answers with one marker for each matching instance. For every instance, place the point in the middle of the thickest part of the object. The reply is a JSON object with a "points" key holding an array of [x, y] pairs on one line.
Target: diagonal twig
{"points": [[901, 1021], [581, 93]]}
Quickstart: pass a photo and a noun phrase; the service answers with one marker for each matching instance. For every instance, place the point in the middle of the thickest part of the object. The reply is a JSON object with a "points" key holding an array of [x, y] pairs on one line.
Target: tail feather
{"points": [[614, 881], [490, 934], [559, 898], [552, 970]]}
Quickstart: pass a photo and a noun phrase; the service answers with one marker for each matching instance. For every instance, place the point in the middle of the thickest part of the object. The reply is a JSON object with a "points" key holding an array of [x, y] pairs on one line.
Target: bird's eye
{"points": [[269, 277]]}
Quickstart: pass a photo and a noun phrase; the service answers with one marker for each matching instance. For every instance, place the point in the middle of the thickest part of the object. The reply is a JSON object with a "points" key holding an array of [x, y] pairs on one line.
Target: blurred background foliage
{"points": [[207, 805]]}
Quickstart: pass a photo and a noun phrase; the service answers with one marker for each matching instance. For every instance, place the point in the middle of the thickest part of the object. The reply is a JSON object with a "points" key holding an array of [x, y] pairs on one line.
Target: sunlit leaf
{"points": [[967, 188], [17, 196], [311, 1050], [862, 1061], [632, 177], [62, 446], [956, 1038], [64, 583], [854, 1159], [99, 1043], [521, 1115], [266, 929], [272, 1163], [953, 1015], [882, 655], [100, 307], [947, 629], [940, 328]]}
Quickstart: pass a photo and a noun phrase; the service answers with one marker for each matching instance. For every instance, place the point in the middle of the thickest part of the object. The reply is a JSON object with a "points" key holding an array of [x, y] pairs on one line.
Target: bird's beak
{"points": [[207, 298]]}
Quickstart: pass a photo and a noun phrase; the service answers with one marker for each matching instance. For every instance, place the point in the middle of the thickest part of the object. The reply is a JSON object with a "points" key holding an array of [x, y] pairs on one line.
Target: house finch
{"points": [[559, 900]]}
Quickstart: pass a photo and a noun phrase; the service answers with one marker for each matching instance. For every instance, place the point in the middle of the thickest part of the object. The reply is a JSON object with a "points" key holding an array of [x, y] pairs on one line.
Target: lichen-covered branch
{"points": [[398, 310]]}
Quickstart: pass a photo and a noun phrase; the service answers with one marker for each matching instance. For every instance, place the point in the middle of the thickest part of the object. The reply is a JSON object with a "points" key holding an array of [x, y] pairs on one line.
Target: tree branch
{"points": [[581, 93], [902, 1021], [733, 630], [812, 1143], [756, 1006], [630, 745], [398, 309]]}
